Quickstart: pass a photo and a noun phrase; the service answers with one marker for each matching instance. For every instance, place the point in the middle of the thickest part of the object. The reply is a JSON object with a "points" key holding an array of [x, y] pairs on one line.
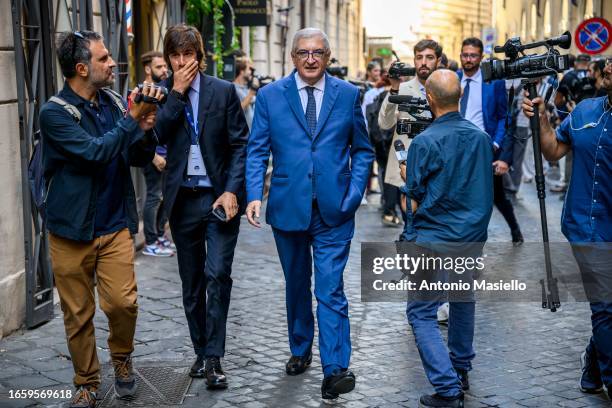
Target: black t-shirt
{"points": [[110, 207]]}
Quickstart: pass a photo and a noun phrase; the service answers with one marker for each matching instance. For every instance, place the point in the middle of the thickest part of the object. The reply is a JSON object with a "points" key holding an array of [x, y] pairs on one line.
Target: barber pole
{"points": [[128, 17]]}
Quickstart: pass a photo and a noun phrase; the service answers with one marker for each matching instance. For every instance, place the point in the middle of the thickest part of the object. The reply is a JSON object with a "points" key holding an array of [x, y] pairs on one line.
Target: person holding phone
{"points": [[203, 126]]}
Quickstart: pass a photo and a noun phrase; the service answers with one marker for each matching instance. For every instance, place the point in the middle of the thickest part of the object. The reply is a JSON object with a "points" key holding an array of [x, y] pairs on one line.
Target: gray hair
{"points": [[309, 33]]}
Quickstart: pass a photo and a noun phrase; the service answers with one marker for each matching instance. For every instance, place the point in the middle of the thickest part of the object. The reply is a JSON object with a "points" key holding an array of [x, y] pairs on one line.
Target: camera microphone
{"points": [[400, 151], [399, 99]]}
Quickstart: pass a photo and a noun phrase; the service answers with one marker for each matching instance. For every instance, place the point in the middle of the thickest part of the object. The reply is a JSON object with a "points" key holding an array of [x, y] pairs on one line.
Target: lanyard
{"points": [[192, 124]]}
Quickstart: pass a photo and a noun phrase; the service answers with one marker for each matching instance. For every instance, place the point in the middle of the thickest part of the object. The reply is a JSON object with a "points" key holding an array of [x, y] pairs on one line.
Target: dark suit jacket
{"points": [[223, 136], [494, 111]]}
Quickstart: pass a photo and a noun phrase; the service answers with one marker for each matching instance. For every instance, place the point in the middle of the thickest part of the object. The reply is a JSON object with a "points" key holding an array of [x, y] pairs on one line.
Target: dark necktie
{"points": [[311, 111], [465, 97]]}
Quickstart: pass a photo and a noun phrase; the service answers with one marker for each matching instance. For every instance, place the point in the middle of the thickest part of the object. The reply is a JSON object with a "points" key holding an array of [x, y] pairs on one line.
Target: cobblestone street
{"points": [[526, 356]]}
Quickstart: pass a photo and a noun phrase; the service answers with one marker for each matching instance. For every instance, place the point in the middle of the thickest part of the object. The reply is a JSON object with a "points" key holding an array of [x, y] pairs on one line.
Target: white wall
{"points": [[12, 272]]}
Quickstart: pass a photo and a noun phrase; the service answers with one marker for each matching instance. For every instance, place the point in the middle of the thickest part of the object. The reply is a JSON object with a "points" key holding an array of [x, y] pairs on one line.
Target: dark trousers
{"points": [[205, 250], [153, 216], [330, 251], [513, 179], [594, 262], [503, 204]]}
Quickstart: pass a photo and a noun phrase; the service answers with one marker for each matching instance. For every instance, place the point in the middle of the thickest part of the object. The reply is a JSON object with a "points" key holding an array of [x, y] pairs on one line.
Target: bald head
{"points": [[444, 89]]}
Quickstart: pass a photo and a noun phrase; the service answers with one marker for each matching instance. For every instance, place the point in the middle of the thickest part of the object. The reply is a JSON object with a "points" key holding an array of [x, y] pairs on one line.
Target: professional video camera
{"points": [[527, 66], [578, 85], [417, 108], [399, 69], [337, 70], [530, 68]]}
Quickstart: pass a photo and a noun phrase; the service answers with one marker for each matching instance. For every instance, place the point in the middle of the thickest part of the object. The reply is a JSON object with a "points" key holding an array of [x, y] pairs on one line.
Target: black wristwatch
{"points": [[393, 91]]}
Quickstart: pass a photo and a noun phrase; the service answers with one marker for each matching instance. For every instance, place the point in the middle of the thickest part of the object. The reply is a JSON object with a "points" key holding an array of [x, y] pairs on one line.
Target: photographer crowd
{"points": [[449, 145]]}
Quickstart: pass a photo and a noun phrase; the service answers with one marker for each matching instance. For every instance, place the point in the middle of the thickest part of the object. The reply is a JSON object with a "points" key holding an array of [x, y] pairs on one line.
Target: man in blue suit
{"points": [[486, 105], [313, 126]]}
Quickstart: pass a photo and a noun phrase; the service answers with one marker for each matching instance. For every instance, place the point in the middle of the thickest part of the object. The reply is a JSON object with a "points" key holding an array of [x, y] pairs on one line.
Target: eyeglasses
{"points": [[470, 56], [74, 42], [304, 54]]}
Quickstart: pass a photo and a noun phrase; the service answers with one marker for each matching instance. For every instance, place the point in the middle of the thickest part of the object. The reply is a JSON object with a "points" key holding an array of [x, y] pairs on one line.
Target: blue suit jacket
{"points": [[335, 161], [494, 110]]}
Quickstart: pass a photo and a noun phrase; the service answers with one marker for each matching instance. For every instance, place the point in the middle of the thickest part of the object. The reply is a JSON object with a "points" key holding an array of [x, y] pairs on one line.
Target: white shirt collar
{"points": [[195, 84], [477, 77], [320, 85]]}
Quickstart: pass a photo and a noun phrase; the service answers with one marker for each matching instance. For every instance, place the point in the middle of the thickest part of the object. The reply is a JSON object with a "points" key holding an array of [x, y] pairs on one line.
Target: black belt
{"points": [[195, 191]]}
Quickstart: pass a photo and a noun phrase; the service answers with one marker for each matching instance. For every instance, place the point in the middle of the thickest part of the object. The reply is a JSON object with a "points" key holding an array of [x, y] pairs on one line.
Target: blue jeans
{"points": [[594, 262], [439, 361]]}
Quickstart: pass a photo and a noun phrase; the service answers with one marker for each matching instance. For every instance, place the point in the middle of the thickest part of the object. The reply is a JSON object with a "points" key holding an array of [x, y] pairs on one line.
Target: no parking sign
{"points": [[593, 36]]}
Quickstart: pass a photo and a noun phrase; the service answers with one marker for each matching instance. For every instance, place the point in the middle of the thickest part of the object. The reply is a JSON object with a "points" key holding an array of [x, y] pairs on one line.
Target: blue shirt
{"points": [[587, 212], [110, 208], [192, 124], [449, 174]]}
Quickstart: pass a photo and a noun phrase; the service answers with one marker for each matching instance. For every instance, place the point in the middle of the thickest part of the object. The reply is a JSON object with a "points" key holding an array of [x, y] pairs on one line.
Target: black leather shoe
{"points": [[517, 237], [337, 384], [463, 377], [215, 378], [297, 365], [590, 381], [197, 369], [439, 401]]}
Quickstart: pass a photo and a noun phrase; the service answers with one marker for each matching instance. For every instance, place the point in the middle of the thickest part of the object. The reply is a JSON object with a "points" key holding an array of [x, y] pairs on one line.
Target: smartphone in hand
{"points": [[219, 212]]}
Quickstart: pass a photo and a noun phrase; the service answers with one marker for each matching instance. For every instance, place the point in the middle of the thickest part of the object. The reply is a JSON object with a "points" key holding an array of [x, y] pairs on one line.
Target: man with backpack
{"points": [[89, 141]]}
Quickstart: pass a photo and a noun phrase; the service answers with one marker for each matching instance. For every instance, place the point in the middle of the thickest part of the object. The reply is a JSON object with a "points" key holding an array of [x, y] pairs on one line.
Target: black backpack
{"points": [[377, 135]]}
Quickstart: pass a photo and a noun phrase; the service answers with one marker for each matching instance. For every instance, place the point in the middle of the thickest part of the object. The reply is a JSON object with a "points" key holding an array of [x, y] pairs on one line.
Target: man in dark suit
{"points": [[312, 124], [206, 133], [486, 105]]}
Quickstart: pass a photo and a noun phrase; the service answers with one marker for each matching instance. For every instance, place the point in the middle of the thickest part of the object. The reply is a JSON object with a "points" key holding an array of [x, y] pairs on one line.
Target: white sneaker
{"points": [[166, 243], [443, 313], [157, 250]]}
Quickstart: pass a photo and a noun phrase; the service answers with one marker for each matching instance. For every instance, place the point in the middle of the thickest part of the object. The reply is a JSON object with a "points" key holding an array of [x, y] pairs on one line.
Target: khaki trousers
{"points": [[111, 259]]}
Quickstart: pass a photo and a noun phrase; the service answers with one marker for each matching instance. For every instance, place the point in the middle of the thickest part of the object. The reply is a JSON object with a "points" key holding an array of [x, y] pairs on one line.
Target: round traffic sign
{"points": [[593, 36]]}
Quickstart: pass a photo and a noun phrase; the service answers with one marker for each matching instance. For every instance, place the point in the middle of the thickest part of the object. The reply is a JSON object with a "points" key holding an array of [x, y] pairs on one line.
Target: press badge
{"points": [[195, 167]]}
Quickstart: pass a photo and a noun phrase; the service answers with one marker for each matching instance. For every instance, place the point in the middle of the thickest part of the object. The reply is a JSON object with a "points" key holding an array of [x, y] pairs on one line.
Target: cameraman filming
{"points": [[427, 55], [246, 87], [587, 215], [89, 141]]}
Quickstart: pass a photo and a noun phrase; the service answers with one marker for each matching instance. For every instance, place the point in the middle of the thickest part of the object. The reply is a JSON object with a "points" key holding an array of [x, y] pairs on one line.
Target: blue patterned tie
{"points": [[465, 97], [311, 111]]}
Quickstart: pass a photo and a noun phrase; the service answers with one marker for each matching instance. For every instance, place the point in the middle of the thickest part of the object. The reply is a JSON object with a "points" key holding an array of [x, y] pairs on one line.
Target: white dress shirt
{"points": [[318, 92], [473, 112]]}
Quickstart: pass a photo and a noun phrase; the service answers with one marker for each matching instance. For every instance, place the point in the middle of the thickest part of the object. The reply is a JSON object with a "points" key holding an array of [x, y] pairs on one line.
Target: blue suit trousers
{"points": [[329, 248]]}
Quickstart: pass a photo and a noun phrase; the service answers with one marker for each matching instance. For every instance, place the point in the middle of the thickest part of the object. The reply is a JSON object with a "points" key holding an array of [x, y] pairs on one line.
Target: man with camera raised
{"points": [[246, 87], [427, 55], [89, 141], [587, 215]]}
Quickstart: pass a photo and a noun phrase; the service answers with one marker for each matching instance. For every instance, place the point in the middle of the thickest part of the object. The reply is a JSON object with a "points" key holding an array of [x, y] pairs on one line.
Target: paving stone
{"points": [[525, 356]]}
